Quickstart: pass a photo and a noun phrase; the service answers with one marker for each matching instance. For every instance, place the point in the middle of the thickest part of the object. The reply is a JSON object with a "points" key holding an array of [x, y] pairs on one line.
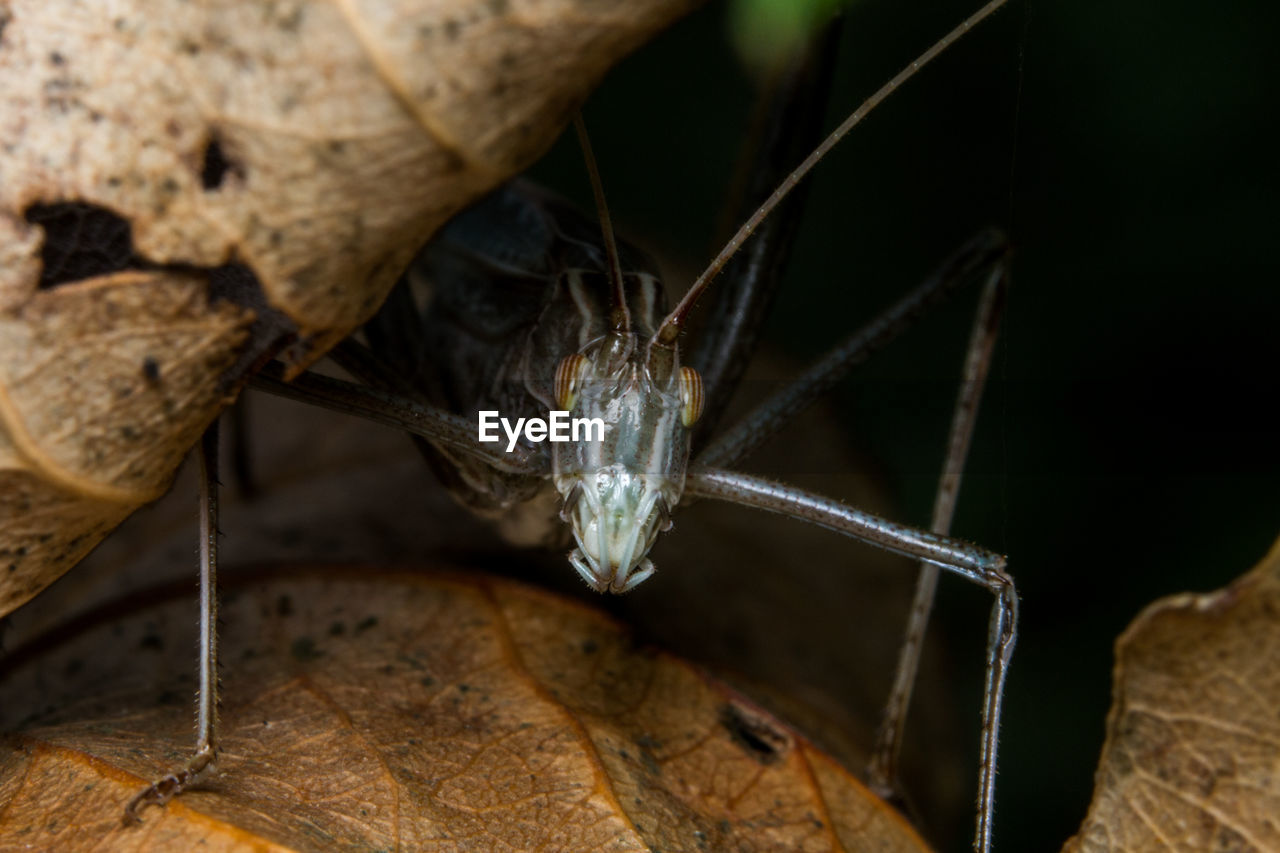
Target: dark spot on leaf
{"points": [[150, 370], [451, 29], [366, 623], [215, 165], [56, 58], [648, 748], [337, 629], [589, 647], [757, 737], [151, 642]]}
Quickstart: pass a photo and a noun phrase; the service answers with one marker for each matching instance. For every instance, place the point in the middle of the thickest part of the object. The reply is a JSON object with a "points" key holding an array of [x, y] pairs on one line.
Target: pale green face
{"points": [[618, 491]]}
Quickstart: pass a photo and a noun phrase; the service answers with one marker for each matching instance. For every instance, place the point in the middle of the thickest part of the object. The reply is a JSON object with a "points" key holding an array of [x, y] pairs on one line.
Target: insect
{"points": [[581, 326]]}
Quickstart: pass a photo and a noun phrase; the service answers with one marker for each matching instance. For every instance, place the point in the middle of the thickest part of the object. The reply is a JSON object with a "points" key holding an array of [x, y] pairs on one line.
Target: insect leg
{"points": [[788, 125], [968, 561], [173, 783], [985, 255], [397, 410], [882, 770]]}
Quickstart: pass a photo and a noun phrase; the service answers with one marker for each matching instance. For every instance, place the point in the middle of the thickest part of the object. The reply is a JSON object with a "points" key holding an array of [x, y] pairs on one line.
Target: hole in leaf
{"points": [[81, 241], [215, 165]]}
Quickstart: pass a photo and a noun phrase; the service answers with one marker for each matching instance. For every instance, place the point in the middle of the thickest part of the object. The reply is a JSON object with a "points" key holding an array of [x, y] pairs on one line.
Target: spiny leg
{"points": [[984, 258], [968, 561], [175, 782], [882, 770]]}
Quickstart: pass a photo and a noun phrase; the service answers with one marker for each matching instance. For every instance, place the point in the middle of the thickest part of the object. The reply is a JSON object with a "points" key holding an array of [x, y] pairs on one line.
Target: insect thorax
{"points": [[505, 291]]}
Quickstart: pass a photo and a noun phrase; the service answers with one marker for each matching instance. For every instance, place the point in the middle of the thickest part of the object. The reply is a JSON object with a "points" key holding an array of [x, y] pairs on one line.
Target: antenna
{"points": [[674, 322], [620, 317]]}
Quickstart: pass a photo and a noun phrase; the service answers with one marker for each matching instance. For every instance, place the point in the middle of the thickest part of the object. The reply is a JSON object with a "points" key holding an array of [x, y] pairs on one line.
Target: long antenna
{"points": [[620, 317], [671, 326]]}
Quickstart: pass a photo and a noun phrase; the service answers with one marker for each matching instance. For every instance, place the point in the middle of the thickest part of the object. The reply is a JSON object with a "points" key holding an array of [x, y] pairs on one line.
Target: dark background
{"points": [[1127, 448]]}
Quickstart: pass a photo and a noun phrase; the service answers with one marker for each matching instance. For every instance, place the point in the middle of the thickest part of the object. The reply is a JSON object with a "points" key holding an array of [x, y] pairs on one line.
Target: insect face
{"points": [[619, 487]]}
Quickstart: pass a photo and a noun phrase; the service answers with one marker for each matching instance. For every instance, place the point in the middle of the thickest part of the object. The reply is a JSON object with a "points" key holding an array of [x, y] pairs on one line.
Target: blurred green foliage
{"points": [[766, 32]]}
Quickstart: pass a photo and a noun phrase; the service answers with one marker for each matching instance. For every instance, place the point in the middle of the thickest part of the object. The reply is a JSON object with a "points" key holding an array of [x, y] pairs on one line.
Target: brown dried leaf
{"points": [[314, 144], [409, 711], [1192, 757], [91, 376], [345, 132]]}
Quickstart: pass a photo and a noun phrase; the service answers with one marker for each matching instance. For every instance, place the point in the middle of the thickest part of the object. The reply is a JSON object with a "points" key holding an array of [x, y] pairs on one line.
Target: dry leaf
{"points": [[1192, 757], [368, 709], [77, 456], [172, 172]]}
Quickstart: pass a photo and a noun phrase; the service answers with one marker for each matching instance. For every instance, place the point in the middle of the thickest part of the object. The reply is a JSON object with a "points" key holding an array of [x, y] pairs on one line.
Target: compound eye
{"points": [[569, 375], [690, 396]]}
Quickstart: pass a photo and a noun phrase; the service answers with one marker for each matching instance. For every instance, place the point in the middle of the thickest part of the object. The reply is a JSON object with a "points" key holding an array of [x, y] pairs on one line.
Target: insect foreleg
{"points": [[969, 561], [396, 410], [173, 783]]}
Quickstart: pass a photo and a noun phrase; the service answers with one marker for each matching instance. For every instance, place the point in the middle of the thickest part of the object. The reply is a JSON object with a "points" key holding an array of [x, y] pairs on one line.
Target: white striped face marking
{"points": [[618, 492]]}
